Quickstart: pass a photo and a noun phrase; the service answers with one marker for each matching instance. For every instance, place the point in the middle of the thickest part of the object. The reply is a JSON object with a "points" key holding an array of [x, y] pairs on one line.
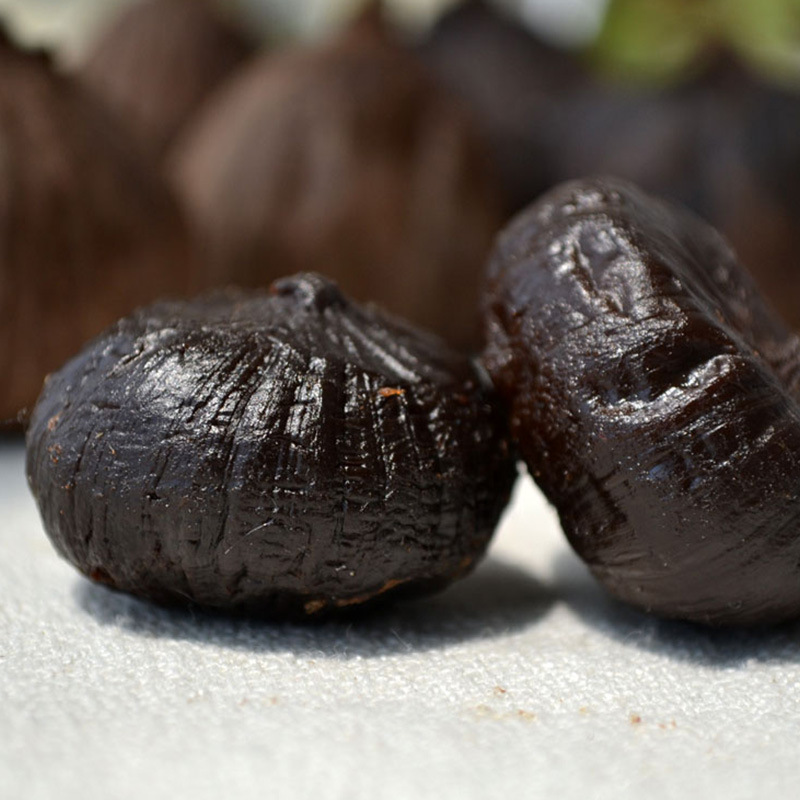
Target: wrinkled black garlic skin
{"points": [[285, 454], [654, 397]]}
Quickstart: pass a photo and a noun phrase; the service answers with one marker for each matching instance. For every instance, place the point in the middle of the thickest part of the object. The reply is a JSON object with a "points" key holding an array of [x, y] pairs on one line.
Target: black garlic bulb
{"points": [[344, 158], [285, 454], [654, 397], [87, 231], [159, 61]]}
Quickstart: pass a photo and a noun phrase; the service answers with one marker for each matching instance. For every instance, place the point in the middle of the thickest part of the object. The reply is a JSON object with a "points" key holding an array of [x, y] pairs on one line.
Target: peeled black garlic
{"points": [[654, 397], [159, 61], [286, 454], [87, 232], [344, 158]]}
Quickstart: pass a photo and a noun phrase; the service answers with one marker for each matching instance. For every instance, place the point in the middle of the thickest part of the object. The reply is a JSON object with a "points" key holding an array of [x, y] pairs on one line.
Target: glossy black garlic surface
{"points": [[655, 400], [285, 454]]}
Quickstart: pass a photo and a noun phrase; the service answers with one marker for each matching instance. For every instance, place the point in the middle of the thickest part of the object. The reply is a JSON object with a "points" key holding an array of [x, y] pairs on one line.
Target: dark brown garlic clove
{"points": [[654, 397], [514, 84], [286, 454], [87, 233], [159, 61], [344, 158]]}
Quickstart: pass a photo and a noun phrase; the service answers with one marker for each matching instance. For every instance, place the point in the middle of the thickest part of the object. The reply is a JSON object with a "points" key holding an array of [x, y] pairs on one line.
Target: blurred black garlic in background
{"points": [[159, 60], [87, 231], [513, 81], [344, 158]]}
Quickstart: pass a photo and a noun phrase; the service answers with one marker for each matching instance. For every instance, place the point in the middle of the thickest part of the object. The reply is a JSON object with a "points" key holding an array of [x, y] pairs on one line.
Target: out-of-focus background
{"points": [[383, 143], [70, 24]]}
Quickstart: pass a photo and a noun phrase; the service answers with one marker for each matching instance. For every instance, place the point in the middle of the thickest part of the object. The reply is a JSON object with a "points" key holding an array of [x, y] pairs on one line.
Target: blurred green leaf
{"points": [[766, 32], [659, 40], [649, 39]]}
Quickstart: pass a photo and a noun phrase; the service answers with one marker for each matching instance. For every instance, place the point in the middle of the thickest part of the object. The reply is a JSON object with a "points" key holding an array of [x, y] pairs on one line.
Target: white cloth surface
{"points": [[523, 680]]}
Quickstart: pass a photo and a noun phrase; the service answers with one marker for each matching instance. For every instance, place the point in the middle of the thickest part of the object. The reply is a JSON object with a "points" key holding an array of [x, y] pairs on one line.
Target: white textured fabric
{"points": [[522, 681]]}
